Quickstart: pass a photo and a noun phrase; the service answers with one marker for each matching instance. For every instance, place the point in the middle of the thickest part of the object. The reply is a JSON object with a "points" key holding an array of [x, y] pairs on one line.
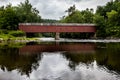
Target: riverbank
{"points": [[14, 36], [19, 39], [50, 39], [78, 40]]}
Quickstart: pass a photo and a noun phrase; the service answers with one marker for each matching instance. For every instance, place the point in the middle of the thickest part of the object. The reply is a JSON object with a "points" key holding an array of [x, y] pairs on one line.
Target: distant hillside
{"points": [[50, 21]]}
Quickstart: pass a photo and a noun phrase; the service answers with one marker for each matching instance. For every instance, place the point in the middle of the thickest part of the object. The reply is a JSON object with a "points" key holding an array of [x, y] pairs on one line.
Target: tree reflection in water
{"points": [[11, 60], [104, 54], [108, 55], [75, 59]]}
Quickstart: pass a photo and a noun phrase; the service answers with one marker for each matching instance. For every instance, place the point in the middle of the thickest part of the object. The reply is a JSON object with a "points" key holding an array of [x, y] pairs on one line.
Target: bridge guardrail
{"points": [[58, 24]]}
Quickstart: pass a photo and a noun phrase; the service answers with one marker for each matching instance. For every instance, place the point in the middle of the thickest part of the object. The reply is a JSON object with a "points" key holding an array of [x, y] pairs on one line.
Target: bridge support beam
{"points": [[95, 36], [57, 36]]}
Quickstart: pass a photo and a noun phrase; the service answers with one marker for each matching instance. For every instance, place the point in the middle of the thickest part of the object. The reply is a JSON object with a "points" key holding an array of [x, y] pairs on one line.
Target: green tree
{"points": [[75, 17], [87, 15], [103, 9], [111, 16], [113, 28], [71, 9], [27, 13], [8, 18], [101, 26]]}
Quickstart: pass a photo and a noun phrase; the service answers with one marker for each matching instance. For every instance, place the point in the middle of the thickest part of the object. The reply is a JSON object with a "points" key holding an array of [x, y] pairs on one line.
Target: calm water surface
{"points": [[60, 61]]}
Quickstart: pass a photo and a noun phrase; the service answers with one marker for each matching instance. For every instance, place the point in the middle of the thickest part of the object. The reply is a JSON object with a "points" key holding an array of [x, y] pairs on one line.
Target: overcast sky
{"points": [[54, 9]]}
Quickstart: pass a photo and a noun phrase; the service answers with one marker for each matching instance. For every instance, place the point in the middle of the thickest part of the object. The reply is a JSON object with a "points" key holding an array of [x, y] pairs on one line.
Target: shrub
{"points": [[3, 31], [17, 33]]}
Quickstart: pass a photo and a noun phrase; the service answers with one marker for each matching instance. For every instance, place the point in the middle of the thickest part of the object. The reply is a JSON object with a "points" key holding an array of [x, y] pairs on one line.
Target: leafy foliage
{"points": [[10, 16], [17, 33], [101, 26], [76, 16], [27, 13], [111, 17]]}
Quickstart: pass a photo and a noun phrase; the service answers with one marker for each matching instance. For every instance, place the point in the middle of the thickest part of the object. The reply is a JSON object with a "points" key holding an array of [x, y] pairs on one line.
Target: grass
{"points": [[14, 36], [12, 44], [11, 35], [6, 36]]}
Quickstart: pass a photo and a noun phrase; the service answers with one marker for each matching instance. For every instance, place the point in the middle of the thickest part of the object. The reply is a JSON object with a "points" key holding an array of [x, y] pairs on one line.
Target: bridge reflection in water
{"points": [[104, 63], [54, 47]]}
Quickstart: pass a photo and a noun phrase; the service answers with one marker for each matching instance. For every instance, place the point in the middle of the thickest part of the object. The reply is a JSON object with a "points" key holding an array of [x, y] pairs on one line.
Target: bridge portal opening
{"points": [[58, 35]]}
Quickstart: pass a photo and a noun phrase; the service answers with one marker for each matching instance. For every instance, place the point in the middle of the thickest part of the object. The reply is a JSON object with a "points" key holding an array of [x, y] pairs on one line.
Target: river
{"points": [[60, 60]]}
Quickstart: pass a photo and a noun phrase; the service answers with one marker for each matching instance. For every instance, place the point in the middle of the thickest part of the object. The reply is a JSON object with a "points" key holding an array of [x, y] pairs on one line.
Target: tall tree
{"points": [[75, 17], [8, 18], [27, 13], [111, 14], [71, 9], [101, 26], [88, 15]]}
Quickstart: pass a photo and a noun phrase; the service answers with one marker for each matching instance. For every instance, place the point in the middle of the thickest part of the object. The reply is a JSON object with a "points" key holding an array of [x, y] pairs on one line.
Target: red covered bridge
{"points": [[57, 28]]}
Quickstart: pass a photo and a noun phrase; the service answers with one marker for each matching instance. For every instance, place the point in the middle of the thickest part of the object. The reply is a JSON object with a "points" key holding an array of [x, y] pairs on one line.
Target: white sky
{"points": [[54, 9]]}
